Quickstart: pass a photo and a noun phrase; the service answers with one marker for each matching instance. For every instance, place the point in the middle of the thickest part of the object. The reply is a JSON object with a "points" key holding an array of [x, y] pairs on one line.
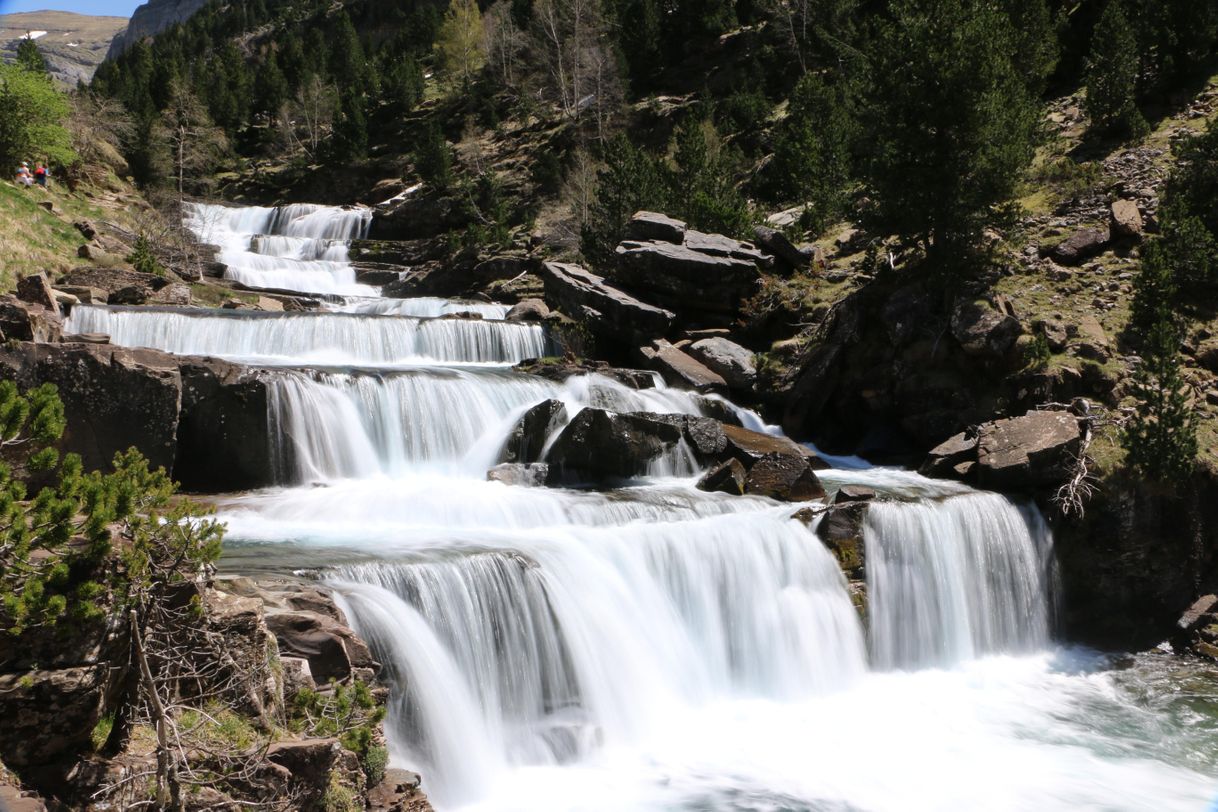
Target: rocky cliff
{"points": [[73, 44], [150, 19]]}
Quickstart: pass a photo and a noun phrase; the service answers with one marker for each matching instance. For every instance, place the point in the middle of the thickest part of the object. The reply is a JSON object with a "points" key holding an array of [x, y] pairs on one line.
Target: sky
{"points": [[114, 8]]}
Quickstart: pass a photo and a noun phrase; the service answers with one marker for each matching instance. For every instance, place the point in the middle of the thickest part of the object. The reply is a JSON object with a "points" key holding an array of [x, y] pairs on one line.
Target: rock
{"points": [[87, 338], [680, 369], [1055, 334], [598, 445], [133, 295], [528, 438], [531, 475], [619, 315], [841, 530], [175, 295], [296, 677], [367, 273], [729, 360], [113, 280], [332, 649], [726, 477], [853, 493], [21, 321], [943, 459], [245, 679], [1207, 354], [85, 294], [1197, 613], [223, 440], [784, 477], [649, 225], [113, 397], [1035, 450], [776, 243], [1092, 342], [35, 289], [12, 799], [562, 370], [86, 229], [397, 253], [984, 330], [47, 204], [398, 792], [315, 766], [1125, 220], [750, 446], [1080, 246], [49, 715], [529, 310], [703, 288]]}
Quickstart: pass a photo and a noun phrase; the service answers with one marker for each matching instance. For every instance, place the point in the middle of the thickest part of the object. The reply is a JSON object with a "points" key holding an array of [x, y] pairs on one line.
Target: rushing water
{"points": [[653, 647]]}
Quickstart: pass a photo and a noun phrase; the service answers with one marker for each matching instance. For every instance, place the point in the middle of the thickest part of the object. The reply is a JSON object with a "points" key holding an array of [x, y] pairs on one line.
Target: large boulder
{"points": [[841, 530], [726, 477], [114, 398], [1036, 450], [785, 477], [750, 446], [528, 310], [650, 225], [1125, 220], [705, 284], [598, 445], [35, 289], [332, 649], [522, 475], [49, 715], [223, 439], [528, 437], [1080, 246], [985, 329], [582, 294], [777, 244], [116, 282], [23, 321], [727, 358], [680, 369], [954, 458]]}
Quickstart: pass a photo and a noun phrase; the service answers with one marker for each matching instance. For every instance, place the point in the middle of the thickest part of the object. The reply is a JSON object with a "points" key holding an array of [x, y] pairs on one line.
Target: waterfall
{"points": [[316, 339], [581, 638], [299, 247], [955, 579]]}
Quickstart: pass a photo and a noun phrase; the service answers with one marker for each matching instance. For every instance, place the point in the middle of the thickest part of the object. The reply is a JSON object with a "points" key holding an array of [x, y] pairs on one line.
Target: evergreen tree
{"points": [[270, 87], [1112, 76], [1160, 439], [950, 121], [1038, 47], [30, 57], [701, 184], [630, 180], [811, 163], [350, 139], [1154, 294], [433, 159]]}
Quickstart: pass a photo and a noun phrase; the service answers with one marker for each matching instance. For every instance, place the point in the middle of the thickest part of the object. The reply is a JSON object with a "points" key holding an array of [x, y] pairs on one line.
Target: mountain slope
{"points": [[73, 44], [151, 18]]}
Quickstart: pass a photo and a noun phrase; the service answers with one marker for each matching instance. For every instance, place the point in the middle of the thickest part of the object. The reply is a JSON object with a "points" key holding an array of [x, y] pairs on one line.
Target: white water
{"points": [[656, 647]]}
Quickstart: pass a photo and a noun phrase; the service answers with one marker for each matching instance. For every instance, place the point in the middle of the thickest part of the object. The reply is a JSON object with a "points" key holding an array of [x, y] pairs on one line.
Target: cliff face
{"points": [[73, 44], [152, 18]]}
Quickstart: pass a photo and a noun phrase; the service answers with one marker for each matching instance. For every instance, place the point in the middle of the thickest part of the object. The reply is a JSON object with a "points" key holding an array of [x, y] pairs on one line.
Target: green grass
{"points": [[34, 239]]}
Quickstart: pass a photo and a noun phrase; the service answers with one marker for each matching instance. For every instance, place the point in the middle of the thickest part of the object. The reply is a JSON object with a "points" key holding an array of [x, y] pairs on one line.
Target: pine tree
{"points": [[30, 57], [630, 180], [950, 121], [701, 183], [1160, 439], [1154, 294], [350, 138], [1112, 76], [433, 159]]}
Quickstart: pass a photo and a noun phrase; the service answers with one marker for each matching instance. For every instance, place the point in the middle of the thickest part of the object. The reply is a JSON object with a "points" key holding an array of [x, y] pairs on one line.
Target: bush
{"points": [[142, 258], [32, 122]]}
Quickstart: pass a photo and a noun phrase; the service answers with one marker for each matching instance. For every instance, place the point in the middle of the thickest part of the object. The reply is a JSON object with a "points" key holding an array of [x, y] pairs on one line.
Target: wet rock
{"points": [[615, 313], [1035, 450], [599, 445], [367, 273], [681, 369], [777, 244], [530, 475], [223, 440], [1080, 246], [35, 289], [559, 371], [785, 477], [943, 459], [332, 649], [841, 531], [398, 792], [528, 437], [1197, 613], [750, 446], [728, 359], [702, 287], [1125, 220], [853, 493], [726, 477], [649, 225], [529, 310]]}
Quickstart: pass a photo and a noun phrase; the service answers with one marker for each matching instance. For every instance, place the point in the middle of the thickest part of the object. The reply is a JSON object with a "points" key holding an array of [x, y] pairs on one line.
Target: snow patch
{"points": [[35, 34]]}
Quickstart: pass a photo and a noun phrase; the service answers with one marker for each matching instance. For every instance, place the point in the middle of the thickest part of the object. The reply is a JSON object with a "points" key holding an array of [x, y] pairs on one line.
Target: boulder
{"points": [[86, 229], [615, 313], [841, 531], [49, 715], [296, 677], [173, 295], [1032, 451], [398, 792], [1125, 220], [984, 330], [113, 397], [704, 436], [85, 294], [1092, 342], [528, 437], [726, 477], [1207, 354], [943, 459], [22, 321], [223, 437], [777, 244], [529, 310], [784, 477], [750, 446], [704, 288], [332, 649], [112, 280], [562, 370], [680, 369], [1080, 246], [315, 766], [649, 225], [727, 358], [397, 253], [35, 289], [598, 445], [368, 273], [531, 475], [853, 493]]}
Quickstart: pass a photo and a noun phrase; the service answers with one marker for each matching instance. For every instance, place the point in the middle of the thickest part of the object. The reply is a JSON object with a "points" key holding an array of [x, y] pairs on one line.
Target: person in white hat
{"points": [[24, 178]]}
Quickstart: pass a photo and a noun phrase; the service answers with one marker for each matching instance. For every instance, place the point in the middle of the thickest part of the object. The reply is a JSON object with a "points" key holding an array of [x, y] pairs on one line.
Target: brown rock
{"points": [[332, 649], [1035, 450], [1125, 220], [943, 459], [650, 225], [681, 369], [784, 477], [529, 310], [35, 289], [726, 477], [1080, 246]]}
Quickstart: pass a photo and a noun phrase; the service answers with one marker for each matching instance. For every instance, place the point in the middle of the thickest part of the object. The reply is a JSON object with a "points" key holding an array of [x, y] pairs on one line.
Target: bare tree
{"points": [[307, 120], [503, 43], [573, 40], [195, 142], [100, 126]]}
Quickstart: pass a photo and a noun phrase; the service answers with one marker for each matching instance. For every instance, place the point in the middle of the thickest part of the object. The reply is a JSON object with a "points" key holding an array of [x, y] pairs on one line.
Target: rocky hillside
{"points": [[73, 44], [149, 19]]}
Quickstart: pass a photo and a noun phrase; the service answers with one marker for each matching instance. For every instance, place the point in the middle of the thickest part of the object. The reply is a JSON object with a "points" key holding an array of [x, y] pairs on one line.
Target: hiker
{"points": [[24, 178], [41, 173]]}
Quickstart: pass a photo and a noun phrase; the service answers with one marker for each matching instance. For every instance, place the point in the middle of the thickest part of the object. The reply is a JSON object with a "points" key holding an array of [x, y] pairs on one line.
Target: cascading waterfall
{"points": [[653, 647], [300, 247]]}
